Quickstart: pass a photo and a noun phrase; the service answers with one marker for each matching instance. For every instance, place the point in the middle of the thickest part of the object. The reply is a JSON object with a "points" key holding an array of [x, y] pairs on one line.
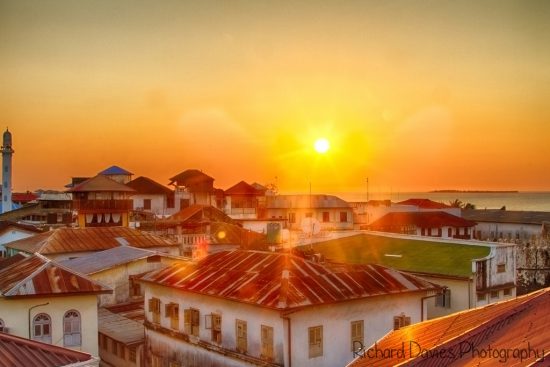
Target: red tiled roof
{"points": [[486, 336], [421, 220], [425, 204], [20, 352], [100, 183], [284, 281], [66, 240], [38, 276], [144, 185]]}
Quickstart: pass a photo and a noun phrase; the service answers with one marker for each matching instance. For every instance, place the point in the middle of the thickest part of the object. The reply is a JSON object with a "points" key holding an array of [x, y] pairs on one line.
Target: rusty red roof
{"points": [[100, 183], [421, 220], [66, 240], [20, 352], [425, 204], [201, 214], [495, 335], [39, 276], [7, 224], [284, 281]]}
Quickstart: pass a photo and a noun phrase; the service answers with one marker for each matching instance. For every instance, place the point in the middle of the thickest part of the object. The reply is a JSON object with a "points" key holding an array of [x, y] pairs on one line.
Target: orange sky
{"points": [[413, 95]]}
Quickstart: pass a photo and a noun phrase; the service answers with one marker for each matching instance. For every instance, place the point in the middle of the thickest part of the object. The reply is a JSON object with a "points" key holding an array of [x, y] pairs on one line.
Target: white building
{"points": [[11, 231], [46, 302], [311, 213], [118, 267], [251, 308], [367, 212], [510, 225], [152, 197]]}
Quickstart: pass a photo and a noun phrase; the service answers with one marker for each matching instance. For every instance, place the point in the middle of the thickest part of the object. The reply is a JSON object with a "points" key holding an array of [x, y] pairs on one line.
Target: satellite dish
{"points": [[310, 226]]}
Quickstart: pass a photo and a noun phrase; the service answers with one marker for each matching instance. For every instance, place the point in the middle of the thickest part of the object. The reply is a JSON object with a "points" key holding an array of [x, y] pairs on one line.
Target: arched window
{"points": [[71, 329], [42, 326]]}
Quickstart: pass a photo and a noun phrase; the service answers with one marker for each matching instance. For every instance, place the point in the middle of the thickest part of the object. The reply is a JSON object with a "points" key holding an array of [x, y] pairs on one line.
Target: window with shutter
{"points": [[315, 341], [216, 328], [191, 321], [154, 308], [71, 329], [267, 342], [357, 335], [401, 321], [171, 310], [242, 342]]}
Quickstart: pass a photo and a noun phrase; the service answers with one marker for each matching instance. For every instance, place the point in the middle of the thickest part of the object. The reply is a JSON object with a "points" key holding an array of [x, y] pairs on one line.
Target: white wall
{"points": [[158, 204], [117, 278], [377, 313], [508, 231], [14, 312], [12, 234], [462, 296], [229, 311]]}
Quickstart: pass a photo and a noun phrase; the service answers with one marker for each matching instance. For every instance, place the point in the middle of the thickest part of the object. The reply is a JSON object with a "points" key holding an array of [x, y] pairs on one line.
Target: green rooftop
{"points": [[404, 254]]}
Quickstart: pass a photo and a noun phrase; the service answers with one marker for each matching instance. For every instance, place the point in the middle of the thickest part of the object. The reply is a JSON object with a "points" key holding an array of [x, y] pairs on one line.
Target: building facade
{"points": [[251, 308]]}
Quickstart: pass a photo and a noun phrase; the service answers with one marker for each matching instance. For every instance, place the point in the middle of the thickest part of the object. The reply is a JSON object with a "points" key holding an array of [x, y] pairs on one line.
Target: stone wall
{"points": [[533, 267]]}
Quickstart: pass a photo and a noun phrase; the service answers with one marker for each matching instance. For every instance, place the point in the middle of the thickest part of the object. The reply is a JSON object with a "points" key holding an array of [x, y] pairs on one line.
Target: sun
{"points": [[321, 145]]}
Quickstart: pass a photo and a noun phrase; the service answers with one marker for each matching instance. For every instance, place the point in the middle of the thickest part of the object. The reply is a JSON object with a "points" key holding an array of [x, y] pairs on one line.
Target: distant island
{"points": [[476, 191]]}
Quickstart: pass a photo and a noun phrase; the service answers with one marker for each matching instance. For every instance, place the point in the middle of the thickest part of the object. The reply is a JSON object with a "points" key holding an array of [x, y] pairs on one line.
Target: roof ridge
{"points": [[31, 275]]}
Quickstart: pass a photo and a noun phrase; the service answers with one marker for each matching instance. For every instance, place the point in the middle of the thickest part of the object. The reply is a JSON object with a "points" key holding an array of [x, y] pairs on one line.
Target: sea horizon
{"points": [[490, 199]]}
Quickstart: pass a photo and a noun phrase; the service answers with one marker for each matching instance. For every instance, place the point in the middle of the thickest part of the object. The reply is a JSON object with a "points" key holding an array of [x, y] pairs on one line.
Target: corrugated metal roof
{"points": [[284, 281], [103, 260], [144, 185], [67, 240], [421, 219], [100, 183], [115, 170], [519, 324], [55, 196], [120, 328], [506, 216], [39, 276], [20, 352], [201, 214], [6, 224], [305, 201]]}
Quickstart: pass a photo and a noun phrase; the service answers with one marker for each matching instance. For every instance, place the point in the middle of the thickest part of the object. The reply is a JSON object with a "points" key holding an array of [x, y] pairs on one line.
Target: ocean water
{"points": [[523, 200]]}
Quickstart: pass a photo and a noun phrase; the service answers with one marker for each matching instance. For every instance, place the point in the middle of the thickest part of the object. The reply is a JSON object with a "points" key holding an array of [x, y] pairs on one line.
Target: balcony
{"points": [[103, 205]]}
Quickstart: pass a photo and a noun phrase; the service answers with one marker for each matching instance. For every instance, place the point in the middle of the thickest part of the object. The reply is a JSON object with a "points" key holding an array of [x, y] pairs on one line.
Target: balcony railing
{"points": [[102, 204]]}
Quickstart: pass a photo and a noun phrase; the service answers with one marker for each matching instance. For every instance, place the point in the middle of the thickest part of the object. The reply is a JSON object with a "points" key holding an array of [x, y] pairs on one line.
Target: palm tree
{"points": [[456, 203]]}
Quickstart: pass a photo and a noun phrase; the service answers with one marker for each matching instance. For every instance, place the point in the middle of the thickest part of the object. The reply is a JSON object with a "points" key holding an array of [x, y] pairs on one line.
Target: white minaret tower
{"points": [[7, 152]]}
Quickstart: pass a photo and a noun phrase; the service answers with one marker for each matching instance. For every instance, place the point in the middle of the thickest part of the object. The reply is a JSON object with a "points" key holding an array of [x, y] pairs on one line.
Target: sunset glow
{"points": [[321, 145], [414, 95]]}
